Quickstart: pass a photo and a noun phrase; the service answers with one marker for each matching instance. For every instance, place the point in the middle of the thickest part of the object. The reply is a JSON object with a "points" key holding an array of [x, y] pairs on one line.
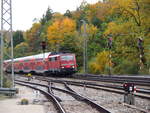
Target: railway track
{"points": [[137, 80], [72, 93], [92, 85], [140, 92], [51, 97]]}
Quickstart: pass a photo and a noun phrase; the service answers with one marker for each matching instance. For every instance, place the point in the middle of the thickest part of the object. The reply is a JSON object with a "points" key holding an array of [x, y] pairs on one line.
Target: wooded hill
{"points": [[125, 21]]}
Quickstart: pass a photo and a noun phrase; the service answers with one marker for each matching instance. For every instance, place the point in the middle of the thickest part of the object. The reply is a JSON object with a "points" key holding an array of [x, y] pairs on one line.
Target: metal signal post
{"points": [[110, 46], [141, 50]]}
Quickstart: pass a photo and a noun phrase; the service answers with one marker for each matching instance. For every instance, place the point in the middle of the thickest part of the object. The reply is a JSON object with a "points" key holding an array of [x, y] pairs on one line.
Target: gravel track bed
{"points": [[110, 100], [71, 105], [107, 98], [97, 82]]}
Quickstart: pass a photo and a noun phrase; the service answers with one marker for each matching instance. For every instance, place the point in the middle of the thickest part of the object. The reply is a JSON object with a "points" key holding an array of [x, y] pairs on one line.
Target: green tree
{"points": [[32, 38], [21, 50], [17, 37], [48, 16], [68, 14]]}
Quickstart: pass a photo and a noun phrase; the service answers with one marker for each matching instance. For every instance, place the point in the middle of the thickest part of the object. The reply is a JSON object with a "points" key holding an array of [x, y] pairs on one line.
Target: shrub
{"points": [[24, 101]]}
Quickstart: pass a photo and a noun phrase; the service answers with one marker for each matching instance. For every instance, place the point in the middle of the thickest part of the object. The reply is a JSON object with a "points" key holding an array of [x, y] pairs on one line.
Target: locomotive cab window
{"points": [[68, 57], [53, 59]]}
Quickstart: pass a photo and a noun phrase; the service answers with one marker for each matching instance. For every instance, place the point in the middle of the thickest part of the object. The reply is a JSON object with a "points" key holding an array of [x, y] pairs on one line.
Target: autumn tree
{"points": [[59, 31], [124, 20], [32, 38], [101, 63], [126, 28]]}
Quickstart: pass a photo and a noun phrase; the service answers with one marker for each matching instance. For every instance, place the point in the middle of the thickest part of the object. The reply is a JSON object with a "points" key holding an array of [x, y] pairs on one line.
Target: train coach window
{"points": [[20, 64], [55, 58], [68, 57]]}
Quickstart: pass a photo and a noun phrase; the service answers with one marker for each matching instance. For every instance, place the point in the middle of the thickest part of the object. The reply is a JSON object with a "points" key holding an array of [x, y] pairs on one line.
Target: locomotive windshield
{"points": [[68, 57]]}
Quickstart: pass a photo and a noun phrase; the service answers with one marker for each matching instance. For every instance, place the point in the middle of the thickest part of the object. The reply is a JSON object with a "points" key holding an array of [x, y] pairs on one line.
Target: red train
{"points": [[47, 63]]}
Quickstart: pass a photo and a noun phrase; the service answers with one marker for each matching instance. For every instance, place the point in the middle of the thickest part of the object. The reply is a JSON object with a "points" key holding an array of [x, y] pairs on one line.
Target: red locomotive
{"points": [[47, 63]]}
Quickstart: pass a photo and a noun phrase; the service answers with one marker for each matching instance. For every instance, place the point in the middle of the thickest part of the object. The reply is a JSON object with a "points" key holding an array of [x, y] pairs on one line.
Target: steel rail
{"points": [[120, 91], [145, 81], [76, 96], [138, 90], [58, 106], [87, 100], [139, 93]]}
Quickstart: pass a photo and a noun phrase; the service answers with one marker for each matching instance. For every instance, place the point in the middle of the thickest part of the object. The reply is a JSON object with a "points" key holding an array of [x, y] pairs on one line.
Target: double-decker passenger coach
{"points": [[46, 63]]}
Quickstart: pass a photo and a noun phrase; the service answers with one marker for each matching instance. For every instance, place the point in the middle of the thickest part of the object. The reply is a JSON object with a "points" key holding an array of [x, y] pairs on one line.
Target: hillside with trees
{"points": [[125, 21]]}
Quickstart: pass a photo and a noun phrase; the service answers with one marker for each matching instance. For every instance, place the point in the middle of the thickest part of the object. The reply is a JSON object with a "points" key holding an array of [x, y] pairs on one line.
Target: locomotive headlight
{"points": [[72, 66], [62, 67]]}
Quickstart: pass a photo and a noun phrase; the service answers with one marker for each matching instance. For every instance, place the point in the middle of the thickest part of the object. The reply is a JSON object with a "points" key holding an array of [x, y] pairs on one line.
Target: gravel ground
{"points": [[112, 101], [71, 105], [12, 105]]}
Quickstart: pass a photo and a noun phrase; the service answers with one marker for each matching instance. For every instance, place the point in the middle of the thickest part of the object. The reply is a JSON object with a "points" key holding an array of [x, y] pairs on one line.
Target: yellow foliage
{"points": [[57, 16], [99, 9], [116, 29], [103, 11], [91, 30], [136, 9], [21, 45], [101, 62], [60, 29], [32, 33]]}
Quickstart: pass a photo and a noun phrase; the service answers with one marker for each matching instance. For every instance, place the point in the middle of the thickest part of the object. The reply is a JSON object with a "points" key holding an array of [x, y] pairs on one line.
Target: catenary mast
{"points": [[6, 27]]}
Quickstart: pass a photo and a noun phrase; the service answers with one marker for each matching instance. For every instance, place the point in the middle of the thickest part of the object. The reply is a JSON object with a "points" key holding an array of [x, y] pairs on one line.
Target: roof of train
{"points": [[38, 56]]}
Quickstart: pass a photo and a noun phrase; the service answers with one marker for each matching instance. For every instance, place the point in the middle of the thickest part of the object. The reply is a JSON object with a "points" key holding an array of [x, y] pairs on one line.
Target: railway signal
{"points": [[140, 43], [43, 44], [129, 89], [110, 42]]}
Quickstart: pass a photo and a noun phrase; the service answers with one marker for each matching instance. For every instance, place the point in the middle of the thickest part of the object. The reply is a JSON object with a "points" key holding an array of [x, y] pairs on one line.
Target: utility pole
{"points": [[6, 25], [84, 48]]}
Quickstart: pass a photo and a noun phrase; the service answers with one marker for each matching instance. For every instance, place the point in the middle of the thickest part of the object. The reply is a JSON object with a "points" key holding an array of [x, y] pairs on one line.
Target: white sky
{"points": [[24, 11]]}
